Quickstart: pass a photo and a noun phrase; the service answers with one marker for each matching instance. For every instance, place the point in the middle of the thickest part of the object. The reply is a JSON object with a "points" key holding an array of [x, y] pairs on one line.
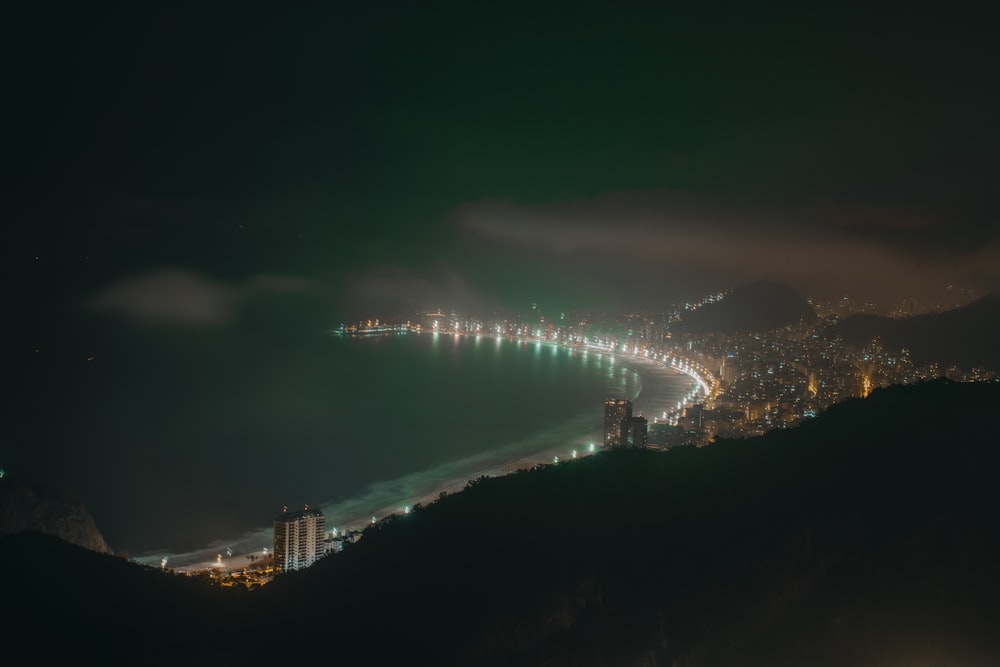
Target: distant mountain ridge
{"points": [[968, 336], [755, 307]]}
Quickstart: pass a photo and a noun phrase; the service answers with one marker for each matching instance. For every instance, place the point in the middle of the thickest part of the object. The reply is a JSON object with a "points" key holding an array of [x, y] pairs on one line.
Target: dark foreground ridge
{"points": [[866, 536]]}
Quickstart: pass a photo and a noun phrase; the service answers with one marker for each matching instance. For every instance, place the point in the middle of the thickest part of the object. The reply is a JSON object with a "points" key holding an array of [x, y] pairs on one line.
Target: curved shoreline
{"points": [[424, 487]]}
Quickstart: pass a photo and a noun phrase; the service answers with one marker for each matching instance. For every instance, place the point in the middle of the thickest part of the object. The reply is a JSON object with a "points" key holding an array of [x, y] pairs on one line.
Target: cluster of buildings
{"points": [[775, 379], [622, 429], [301, 538], [752, 382]]}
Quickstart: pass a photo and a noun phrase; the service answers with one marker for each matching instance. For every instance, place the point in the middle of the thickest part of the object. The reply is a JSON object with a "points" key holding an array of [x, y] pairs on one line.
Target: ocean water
{"points": [[183, 449]]}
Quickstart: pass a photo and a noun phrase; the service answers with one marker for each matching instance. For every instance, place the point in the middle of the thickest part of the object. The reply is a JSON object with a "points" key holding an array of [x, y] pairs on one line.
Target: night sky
{"points": [[179, 168], [170, 164]]}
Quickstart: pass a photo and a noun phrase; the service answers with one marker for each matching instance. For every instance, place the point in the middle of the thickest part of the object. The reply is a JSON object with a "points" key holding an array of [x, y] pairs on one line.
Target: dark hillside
{"points": [[64, 602], [967, 336], [865, 536], [840, 540]]}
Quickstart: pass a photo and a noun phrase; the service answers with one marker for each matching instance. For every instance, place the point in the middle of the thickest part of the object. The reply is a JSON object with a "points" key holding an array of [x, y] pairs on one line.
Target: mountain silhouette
{"points": [[966, 336], [758, 306]]}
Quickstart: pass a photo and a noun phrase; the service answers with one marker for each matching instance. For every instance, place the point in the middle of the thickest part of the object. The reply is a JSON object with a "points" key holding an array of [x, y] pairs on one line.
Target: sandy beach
{"points": [[656, 395]]}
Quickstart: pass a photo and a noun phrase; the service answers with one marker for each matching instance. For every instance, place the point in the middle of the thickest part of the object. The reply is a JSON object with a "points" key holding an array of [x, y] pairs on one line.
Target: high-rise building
{"points": [[634, 432], [615, 410], [298, 538]]}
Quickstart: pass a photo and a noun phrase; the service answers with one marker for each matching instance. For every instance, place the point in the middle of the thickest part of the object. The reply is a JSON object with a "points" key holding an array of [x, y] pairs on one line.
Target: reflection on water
{"points": [[367, 425]]}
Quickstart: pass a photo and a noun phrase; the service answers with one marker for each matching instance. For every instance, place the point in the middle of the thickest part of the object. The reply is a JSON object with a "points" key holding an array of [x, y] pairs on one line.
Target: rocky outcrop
{"points": [[31, 507]]}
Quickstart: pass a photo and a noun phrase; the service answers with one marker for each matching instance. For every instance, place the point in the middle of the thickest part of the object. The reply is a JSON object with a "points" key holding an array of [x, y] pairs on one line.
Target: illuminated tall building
{"points": [[633, 432], [615, 410], [298, 538]]}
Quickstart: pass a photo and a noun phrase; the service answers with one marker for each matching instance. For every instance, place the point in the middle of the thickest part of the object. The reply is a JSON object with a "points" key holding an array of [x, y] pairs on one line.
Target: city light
{"points": [[742, 384]]}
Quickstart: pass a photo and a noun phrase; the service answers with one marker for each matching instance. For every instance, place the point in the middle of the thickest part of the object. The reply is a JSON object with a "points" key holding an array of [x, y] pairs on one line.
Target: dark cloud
{"points": [[176, 297], [223, 143], [682, 240], [390, 289], [170, 297], [277, 283]]}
